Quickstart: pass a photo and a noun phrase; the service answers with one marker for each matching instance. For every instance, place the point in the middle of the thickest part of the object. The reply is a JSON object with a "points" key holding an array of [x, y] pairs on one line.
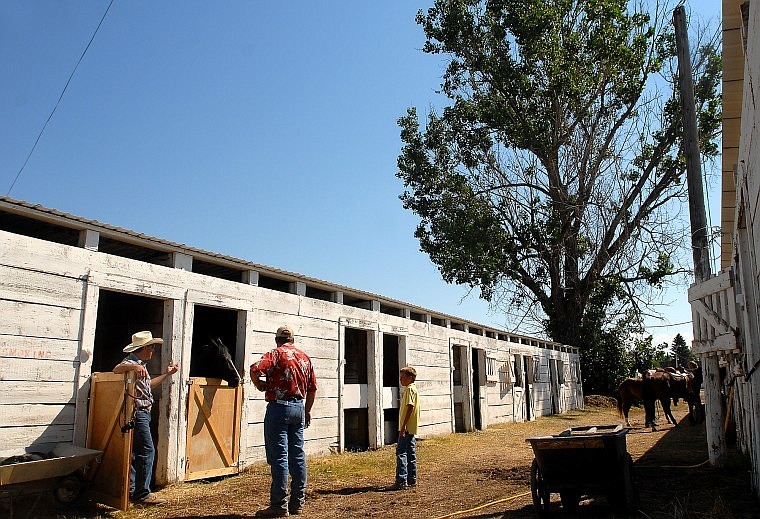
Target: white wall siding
{"points": [[49, 297]]}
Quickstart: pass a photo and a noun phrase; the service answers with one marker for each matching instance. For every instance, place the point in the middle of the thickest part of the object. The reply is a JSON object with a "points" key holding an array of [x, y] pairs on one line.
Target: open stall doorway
{"points": [[119, 316], [355, 378]]}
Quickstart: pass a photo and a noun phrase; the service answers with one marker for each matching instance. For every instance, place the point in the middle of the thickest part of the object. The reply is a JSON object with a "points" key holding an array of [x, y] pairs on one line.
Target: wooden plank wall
{"points": [[39, 357], [745, 169], [48, 300]]}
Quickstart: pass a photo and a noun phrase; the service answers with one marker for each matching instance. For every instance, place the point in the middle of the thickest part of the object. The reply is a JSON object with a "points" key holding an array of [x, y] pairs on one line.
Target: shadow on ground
{"points": [[674, 480]]}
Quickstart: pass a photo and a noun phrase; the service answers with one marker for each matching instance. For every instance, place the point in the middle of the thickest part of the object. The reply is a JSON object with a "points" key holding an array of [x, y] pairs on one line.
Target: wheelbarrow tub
{"points": [[66, 459], [582, 461], [587, 458]]}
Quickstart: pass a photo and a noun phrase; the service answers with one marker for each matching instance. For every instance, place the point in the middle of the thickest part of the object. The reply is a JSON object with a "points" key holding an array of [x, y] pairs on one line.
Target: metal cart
{"points": [[583, 461], [61, 474]]}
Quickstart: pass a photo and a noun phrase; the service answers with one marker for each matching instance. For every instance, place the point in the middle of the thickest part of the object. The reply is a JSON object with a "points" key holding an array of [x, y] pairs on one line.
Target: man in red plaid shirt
{"points": [[289, 386]]}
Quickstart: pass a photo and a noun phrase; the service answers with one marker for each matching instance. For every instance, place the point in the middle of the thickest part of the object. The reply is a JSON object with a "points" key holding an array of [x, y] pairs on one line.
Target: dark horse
{"points": [[214, 361], [664, 386]]}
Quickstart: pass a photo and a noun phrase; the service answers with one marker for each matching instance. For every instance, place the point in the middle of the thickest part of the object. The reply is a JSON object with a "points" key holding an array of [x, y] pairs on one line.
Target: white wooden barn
{"points": [[726, 308], [72, 291]]}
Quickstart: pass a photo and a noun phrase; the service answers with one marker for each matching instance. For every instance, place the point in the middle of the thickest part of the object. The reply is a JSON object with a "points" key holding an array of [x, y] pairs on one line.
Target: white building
{"points": [[72, 291], [725, 307]]}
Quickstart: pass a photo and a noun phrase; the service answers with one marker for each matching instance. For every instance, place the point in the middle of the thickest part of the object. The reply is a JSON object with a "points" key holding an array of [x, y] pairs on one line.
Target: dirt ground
{"points": [[485, 474]]}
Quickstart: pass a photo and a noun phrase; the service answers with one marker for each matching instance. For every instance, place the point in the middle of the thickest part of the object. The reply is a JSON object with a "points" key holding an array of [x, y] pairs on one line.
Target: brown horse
{"points": [[629, 391], [663, 386]]}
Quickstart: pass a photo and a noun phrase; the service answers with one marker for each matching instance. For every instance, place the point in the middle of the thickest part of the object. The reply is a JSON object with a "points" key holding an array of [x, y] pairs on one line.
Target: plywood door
{"points": [[111, 408], [213, 428]]}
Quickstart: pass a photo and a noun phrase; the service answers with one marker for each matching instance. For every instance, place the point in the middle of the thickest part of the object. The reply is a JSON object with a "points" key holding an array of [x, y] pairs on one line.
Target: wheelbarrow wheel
{"points": [[570, 500], [538, 490], [68, 490]]}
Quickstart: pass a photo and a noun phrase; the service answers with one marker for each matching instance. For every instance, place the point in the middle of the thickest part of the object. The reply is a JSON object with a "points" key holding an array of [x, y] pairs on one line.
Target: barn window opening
{"points": [[437, 321], [457, 326], [217, 271], [318, 293], [132, 251], [415, 316], [390, 310], [281, 285], [357, 302], [37, 229]]}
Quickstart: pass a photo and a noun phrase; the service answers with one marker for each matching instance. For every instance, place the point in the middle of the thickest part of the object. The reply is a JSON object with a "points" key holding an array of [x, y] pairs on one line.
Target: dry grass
{"points": [[464, 471]]}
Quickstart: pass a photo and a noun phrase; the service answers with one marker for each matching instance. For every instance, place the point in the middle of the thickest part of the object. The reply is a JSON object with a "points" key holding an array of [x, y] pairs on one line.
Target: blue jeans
{"points": [[143, 452], [283, 438], [406, 460]]}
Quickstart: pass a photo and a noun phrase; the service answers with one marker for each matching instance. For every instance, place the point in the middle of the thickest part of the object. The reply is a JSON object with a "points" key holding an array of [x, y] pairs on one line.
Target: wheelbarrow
{"points": [[61, 474], [580, 461]]}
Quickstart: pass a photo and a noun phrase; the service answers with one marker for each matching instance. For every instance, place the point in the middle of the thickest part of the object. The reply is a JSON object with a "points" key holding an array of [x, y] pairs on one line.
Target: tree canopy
{"points": [[553, 180]]}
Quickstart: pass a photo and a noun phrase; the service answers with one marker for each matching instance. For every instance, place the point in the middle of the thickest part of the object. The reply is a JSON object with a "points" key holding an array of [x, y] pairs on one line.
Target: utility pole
{"points": [[716, 438]]}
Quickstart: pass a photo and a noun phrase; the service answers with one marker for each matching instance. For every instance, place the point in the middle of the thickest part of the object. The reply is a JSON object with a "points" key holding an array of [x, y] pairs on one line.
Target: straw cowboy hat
{"points": [[140, 340]]}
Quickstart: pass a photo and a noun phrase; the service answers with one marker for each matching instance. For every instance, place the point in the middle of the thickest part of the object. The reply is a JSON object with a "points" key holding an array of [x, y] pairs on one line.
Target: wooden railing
{"points": [[714, 319]]}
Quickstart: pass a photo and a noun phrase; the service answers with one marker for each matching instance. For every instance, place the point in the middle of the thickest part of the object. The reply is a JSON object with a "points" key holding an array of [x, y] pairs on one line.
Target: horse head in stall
{"points": [[214, 361]]}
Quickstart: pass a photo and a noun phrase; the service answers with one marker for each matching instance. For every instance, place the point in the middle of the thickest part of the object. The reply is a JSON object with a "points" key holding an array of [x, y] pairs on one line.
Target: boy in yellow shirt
{"points": [[408, 418]]}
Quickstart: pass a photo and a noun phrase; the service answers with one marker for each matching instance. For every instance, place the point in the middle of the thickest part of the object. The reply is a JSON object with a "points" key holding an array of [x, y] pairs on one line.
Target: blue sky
{"points": [[261, 130]]}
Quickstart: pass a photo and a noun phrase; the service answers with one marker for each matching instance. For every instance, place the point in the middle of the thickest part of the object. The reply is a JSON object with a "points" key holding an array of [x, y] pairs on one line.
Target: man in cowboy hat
{"points": [[140, 352], [290, 386]]}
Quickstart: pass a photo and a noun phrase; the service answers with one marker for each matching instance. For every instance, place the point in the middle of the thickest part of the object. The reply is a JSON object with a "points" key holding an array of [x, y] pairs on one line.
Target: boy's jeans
{"points": [[283, 438], [406, 460], [143, 452]]}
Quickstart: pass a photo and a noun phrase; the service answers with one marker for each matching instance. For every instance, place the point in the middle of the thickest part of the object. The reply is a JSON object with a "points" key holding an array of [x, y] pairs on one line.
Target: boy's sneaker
{"points": [[272, 511], [412, 484], [399, 486]]}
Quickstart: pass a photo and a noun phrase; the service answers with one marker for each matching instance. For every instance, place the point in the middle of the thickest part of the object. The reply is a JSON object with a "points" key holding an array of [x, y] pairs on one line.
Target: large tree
{"points": [[553, 180]]}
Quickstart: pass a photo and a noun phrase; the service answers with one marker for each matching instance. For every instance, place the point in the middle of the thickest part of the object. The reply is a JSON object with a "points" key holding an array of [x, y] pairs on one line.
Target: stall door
{"points": [[108, 431], [459, 388], [213, 428]]}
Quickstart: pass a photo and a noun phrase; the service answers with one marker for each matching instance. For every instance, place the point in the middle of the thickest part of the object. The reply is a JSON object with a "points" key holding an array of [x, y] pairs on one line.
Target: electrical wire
{"points": [[668, 325], [66, 86]]}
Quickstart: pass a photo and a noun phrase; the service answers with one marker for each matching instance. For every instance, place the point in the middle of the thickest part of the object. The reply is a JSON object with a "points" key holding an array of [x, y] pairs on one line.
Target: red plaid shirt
{"points": [[289, 373]]}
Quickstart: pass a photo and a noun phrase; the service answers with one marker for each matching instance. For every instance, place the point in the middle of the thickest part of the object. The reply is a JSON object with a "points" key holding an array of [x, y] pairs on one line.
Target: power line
{"points": [[668, 325], [66, 86]]}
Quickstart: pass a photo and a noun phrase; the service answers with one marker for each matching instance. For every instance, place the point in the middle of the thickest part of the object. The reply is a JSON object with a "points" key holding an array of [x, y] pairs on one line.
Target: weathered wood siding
{"points": [[743, 366], [48, 316]]}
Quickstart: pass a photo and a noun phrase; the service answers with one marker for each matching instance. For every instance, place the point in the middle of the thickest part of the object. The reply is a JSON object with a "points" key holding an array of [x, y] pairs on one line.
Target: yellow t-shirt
{"points": [[411, 396]]}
